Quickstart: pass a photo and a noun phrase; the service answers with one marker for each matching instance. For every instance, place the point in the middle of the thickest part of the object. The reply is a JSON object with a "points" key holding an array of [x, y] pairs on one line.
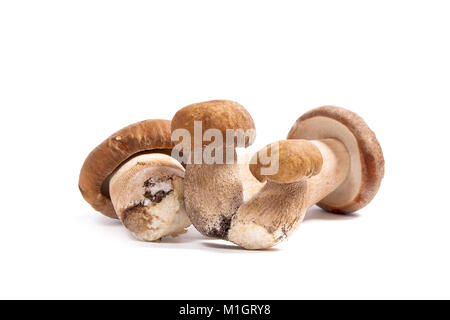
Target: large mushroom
{"points": [[353, 159], [131, 176], [214, 180], [276, 210]]}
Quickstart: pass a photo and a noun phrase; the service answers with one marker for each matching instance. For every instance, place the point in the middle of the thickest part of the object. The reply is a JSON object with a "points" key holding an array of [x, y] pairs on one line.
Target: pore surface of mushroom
{"points": [[130, 176]]}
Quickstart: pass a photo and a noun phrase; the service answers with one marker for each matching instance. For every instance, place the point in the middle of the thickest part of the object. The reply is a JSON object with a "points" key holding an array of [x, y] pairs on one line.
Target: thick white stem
{"points": [[335, 169]]}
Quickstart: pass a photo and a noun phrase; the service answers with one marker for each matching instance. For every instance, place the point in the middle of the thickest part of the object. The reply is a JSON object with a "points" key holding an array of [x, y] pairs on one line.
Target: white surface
{"points": [[71, 73]]}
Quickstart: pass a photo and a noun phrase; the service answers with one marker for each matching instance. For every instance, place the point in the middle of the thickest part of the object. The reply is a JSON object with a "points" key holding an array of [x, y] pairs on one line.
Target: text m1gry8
{"points": [[246, 309]]}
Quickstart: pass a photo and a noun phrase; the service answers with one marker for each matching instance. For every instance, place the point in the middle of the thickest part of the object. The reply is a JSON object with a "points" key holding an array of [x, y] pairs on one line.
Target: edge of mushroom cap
{"points": [[371, 154], [297, 159], [147, 135], [214, 114]]}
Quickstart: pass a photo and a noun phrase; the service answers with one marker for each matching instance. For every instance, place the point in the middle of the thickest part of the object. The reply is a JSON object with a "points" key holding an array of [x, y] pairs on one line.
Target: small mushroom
{"points": [[214, 190], [131, 176], [276, 210]]}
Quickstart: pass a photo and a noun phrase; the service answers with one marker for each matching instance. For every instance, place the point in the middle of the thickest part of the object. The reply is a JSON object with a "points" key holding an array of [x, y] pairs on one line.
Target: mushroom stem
{"points": [[269, 216], [221, 193], [335, 169], [223, 189], [147, 195]]}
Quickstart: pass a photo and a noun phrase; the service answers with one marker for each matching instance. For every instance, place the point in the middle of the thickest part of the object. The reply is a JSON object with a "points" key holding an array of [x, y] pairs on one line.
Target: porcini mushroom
{"points": [[213, 179], [332, 159], [276, 210], [353, 159], [131, 176]]}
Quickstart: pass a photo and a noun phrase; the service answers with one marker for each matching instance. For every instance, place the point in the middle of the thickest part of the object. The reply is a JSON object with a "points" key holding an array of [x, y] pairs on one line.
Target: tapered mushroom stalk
{"points": [[214, 189], [130, 176], [297, 172]]}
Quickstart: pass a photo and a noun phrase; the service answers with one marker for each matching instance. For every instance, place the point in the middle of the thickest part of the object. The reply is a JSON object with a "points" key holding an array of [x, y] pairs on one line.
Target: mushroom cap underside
{"points": [[366, 155]]}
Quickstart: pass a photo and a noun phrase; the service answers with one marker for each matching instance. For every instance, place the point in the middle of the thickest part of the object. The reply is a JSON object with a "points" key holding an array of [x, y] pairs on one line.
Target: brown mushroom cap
{"points": [[366, 156], [216, 114], [105, 159], [291, 160]]}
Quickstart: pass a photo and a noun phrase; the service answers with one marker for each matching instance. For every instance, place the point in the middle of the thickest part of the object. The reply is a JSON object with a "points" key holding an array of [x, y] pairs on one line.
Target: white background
{"points": [[73, 72]]}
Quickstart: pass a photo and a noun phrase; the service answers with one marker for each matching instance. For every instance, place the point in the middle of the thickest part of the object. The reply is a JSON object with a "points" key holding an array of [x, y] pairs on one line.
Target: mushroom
{"points": [[214, 188], [332, 159], [131, 176], [276, 210], [353, 165]]}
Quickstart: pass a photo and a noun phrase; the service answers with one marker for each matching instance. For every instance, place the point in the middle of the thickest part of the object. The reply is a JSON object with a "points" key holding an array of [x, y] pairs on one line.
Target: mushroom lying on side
{"points": [[341, 134], [131, 176]]}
